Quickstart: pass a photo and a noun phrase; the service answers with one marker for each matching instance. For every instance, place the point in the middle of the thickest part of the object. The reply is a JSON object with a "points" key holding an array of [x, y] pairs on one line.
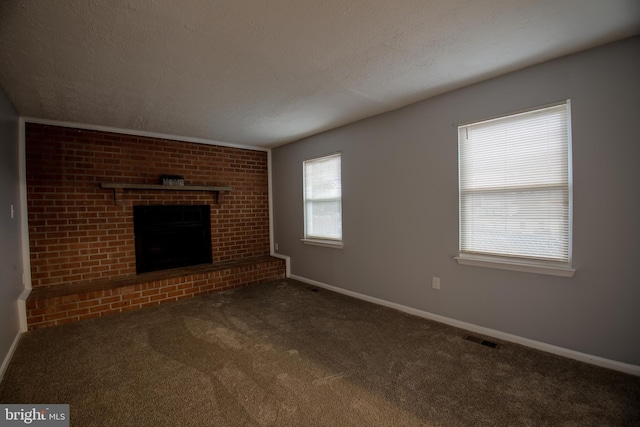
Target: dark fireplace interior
{"points": [[171, 236]]}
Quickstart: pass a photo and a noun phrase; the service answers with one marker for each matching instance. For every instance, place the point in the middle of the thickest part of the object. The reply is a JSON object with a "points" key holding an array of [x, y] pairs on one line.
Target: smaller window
{"points": [[323, 200]]}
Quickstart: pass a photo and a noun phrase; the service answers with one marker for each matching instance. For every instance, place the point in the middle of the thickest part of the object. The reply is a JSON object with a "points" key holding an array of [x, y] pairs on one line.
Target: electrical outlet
{"points": [[276, 246], [435, 282]]}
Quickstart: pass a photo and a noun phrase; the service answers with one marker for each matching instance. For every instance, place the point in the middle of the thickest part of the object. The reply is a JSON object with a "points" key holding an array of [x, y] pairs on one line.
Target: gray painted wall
{"points": [[400, 208], [10, 234]]}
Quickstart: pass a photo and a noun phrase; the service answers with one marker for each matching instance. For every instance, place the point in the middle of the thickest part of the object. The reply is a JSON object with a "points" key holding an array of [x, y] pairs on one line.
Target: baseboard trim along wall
{"points": [[22, 309], [287, 262], [571, 354], [9, 355]]}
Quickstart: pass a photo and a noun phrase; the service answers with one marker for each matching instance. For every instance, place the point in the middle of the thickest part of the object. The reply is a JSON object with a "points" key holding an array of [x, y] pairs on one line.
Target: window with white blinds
{"points": [[323, 198], [515, 186]]}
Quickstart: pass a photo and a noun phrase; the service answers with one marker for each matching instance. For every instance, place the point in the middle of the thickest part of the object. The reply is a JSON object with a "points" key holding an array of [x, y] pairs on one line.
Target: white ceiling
{"points": [[267, 72]]}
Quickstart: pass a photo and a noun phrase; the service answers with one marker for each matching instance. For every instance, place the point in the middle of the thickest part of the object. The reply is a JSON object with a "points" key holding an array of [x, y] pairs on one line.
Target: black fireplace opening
{"points": [[171, 236]]}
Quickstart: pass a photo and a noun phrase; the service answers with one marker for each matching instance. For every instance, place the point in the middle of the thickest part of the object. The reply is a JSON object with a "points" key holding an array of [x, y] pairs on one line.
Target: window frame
{"points": [[516, 263], [319, 240]]}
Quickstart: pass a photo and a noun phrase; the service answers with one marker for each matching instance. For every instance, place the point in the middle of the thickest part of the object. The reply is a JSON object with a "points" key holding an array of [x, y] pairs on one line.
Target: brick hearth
{"points": [[57, 305]]}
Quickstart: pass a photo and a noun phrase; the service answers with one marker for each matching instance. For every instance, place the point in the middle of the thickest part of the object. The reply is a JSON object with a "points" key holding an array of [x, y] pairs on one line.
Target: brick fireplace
{"points": [[81, 236]]}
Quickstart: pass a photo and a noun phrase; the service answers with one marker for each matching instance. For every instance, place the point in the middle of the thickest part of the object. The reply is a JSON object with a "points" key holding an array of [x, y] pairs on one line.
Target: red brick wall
{"points": [[77, 232]]}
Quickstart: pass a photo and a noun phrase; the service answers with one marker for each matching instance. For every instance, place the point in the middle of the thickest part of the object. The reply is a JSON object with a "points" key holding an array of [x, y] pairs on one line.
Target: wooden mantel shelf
{"points": [[115, 185], [127, 186]]}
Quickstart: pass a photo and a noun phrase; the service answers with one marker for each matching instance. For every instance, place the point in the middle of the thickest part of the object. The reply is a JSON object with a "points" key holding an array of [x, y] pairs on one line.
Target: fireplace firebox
{"points": [[171, 236]]}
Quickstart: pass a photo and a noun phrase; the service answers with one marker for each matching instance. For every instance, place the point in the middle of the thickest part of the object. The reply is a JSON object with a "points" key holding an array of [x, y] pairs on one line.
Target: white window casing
{"points": [[322, 188], [515, 191]]}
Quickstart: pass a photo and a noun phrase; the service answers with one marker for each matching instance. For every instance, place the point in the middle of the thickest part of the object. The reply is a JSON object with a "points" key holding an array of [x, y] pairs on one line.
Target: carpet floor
{"points": [[285, 354]]}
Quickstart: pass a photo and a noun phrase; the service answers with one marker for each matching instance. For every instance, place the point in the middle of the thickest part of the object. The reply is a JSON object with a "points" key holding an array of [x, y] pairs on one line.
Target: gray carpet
{"points": [[280, 354]]}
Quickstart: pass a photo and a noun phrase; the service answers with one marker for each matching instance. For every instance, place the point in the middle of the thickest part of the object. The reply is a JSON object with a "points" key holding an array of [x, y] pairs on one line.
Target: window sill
{"points": [[337, 244], [539, 267]]}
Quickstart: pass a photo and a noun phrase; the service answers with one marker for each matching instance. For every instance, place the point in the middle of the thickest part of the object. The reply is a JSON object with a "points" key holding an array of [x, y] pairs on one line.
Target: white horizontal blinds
{"points": [[514, 185], [323, 197]]}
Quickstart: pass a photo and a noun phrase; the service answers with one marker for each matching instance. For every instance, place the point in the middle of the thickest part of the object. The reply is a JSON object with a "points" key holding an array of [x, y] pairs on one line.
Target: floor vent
{"points": [[483, 342]]}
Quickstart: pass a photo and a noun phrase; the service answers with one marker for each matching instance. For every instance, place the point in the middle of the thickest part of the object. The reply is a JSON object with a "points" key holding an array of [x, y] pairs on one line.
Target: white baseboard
{"points": [[22, 309], [9, 355], [287, 260], [571, 354]]}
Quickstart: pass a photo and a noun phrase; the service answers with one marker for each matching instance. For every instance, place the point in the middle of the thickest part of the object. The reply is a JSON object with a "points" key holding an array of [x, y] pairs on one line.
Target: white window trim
{"points": [[328, 243], [513, 264], [562, 269], [319, 240]]}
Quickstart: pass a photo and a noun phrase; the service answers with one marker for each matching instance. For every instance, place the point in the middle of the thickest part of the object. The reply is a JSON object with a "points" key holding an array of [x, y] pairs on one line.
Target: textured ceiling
{"points": [[267, 72]]}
